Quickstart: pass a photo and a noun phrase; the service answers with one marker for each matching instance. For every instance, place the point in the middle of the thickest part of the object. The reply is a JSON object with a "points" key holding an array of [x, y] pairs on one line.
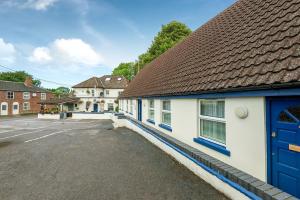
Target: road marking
{"points": [[13, 136], [10, 131], [55, 133]]}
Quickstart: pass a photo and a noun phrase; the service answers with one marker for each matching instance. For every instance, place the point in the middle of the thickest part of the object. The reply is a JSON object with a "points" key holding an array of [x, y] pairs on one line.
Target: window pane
{"points": [[213, 130], [295, 111], [166, 118], [283, 117], [151, 103], [212, 108], [151, 114], [166, 105]]}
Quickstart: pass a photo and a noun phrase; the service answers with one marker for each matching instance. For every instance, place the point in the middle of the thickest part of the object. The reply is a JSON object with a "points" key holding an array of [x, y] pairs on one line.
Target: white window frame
{"points": [[8, 96], [166, 111], [27, 107], [127, 105], [209, 118], [43, 96], [151, 109], [26, 95]]}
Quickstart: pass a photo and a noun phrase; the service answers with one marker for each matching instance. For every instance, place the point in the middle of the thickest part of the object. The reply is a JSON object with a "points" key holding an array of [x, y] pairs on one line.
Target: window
{"points": [[93, 93], [166, 113], [119, 93], [126, 105], [110, 106], [43, 96], [151, 109], [10, 95], [107, 92], [26, 106], [26, 95], [119, 79], [4, 107], [131, 106], [212, 120], [107, 79]]}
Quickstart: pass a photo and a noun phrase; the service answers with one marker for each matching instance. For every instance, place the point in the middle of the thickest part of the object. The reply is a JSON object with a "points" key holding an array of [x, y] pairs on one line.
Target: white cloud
{"points": [[39, 4], [7, 52], [68, 52], [40, 55], [32, 4]]}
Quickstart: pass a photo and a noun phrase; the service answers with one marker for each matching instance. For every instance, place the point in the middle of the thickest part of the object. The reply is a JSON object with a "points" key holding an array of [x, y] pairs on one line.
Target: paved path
{"points": [[88, 160]]}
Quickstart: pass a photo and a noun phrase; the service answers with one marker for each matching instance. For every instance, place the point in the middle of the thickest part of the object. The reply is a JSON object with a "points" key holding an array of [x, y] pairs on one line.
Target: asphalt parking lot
{"points": [[88, 160]]}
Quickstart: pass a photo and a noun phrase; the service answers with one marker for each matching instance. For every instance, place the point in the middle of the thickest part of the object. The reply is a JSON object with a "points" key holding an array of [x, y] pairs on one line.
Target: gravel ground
{"points": [[89, 160]]}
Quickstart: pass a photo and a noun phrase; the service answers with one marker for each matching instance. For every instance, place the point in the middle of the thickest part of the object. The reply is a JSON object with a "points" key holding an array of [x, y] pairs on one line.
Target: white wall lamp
{"points": [[241, 112]]}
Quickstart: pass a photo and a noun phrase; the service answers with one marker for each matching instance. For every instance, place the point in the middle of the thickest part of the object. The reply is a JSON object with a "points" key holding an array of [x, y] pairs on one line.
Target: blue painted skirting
{"points": [[166, 127], [203, 166], [211, 145], [151, 121]]}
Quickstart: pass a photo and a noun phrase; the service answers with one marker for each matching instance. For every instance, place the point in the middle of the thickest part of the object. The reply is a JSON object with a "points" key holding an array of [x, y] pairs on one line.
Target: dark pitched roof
{"points": [[107, 82], [19, 87], [90, 83], [252, 44]]}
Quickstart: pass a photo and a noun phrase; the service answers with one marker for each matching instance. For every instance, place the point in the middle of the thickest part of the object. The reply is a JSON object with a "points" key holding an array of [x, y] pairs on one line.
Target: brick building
{"points": [[20, 98]]}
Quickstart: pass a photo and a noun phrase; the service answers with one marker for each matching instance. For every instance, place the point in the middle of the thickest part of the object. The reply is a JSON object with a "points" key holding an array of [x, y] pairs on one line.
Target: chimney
{"points": [[28, 81]]}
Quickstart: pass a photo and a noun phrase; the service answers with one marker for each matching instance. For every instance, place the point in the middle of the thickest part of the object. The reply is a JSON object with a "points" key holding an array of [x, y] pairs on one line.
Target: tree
{"points": [[125, 69], [169, 35], [18, 76], [60, 91]]}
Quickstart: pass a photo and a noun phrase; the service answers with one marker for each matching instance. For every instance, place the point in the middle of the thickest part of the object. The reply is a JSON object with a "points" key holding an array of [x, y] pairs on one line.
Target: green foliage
{"points": [[125, 69], [18, 76], [117, 109], [60, 91], [169, 35]]}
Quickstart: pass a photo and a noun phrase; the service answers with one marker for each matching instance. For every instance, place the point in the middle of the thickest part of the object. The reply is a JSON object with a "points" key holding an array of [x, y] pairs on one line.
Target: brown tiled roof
{"points": [[114, 82], [252, 44], [19, 87]]}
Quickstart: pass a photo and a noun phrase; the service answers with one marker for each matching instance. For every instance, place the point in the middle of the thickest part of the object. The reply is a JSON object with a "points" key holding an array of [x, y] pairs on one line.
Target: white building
{"points": [[99, 94], [232, 91]]}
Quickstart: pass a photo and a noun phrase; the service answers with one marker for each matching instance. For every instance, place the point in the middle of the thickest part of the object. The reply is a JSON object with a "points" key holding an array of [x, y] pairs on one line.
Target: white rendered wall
{"points": [[245, 138], [91, 116], [48, 116]]}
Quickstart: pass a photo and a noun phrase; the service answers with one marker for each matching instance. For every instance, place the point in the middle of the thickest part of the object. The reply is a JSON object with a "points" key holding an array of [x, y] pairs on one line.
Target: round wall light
{"points": [[241, 112]]}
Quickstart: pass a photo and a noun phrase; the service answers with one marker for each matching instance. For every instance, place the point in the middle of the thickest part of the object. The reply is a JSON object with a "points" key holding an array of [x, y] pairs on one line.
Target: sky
{"points": [[69, 41]]}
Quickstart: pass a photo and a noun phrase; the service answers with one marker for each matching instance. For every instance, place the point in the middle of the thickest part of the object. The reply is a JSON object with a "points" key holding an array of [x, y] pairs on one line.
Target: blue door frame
{"points": [[283, 129], [139, 109]]}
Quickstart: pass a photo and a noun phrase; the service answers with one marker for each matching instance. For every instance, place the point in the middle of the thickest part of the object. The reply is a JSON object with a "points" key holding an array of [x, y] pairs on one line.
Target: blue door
{"points": [[140, 109], [95, 108], [285, 144]]}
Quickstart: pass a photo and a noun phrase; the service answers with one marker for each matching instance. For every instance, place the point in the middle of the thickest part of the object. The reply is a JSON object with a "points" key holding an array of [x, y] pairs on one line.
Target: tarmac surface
{"points": [[89, 160]]}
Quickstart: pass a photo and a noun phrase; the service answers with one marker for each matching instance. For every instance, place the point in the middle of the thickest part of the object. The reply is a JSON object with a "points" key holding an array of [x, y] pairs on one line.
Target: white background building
{"points": [[99, 94]]}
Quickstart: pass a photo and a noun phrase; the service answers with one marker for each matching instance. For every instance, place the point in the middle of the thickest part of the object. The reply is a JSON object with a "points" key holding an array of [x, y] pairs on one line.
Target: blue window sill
{"points": [[212, 145], [166, 127], [151, 121]]}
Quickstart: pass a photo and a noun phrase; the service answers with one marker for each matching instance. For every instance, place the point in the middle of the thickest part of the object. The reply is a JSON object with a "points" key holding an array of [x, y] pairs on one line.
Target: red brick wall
{"points": [[18, 97]]}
